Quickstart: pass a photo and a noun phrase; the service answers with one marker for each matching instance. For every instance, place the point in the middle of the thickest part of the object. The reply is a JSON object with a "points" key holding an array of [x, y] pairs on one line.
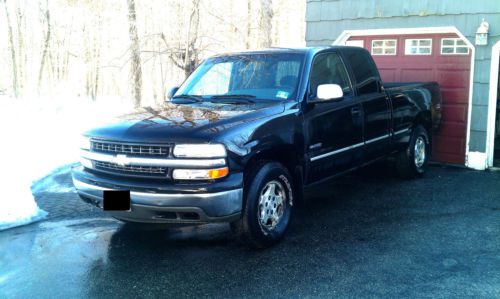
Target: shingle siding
{"points": [[327, 31], [318, 10], [327, 19], [477, 141]]}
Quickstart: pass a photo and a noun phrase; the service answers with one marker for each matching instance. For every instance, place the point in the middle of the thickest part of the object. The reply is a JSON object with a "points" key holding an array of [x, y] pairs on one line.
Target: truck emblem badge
{"points": [[121, 160]]}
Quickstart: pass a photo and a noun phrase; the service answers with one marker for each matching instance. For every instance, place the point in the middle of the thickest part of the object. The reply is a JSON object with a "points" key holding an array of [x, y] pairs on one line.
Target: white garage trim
{"points": [[492, 104], [477, 160]]}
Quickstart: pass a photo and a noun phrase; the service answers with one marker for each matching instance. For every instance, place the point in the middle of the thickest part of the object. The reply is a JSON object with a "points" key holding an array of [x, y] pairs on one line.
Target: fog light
{"points": [[200, 174], [86, 163]]}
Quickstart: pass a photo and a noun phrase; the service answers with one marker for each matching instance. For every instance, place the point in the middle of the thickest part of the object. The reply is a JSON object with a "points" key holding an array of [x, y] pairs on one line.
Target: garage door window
{"points": [[355, 43], [384, 47], [418, 46], [450, 46]]}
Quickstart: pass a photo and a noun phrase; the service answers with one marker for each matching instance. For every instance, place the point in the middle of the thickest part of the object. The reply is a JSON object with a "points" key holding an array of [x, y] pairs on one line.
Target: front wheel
{"points": [[267, 206], [413, 161]]}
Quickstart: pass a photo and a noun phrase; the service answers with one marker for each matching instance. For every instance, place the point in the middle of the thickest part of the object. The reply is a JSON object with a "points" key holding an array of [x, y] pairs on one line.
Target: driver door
{"points": [[334, 128]]}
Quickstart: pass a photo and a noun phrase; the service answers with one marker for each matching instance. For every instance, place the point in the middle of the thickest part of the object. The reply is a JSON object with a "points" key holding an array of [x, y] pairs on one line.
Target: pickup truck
{"points": [[248, 134]]}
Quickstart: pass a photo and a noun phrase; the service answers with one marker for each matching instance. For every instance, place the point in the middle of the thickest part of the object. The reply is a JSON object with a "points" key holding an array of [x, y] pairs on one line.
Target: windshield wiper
{"points": [[194, 98], [233, 98]]}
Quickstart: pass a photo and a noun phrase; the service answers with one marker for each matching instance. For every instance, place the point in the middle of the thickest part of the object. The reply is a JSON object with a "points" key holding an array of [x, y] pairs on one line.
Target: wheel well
{"points": [[284, 155], [288, 157], [424, 118]]}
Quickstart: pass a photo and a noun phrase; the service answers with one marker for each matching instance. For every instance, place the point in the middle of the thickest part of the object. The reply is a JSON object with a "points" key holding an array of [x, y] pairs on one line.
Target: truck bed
{"points": [[435, 94]]}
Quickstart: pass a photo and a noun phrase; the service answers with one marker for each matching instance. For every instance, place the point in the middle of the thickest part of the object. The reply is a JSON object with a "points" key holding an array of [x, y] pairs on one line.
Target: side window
{"points": [[365, 71], [329, 69]]}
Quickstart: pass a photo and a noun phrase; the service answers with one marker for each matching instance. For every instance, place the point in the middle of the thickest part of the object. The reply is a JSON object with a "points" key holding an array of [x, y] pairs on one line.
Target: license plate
{"points": [[116, 200]]}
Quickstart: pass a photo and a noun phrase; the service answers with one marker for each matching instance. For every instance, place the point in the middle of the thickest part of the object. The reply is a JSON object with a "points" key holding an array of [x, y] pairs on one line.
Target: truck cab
{"points": [[247, 134]]}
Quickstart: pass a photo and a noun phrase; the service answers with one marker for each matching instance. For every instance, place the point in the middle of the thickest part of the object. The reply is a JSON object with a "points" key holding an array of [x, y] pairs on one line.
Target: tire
{"points": [[267, 205], [413, 161]]}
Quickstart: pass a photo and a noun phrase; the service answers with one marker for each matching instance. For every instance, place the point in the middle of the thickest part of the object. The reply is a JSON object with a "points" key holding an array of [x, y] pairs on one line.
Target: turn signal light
{"points": [[218, 173], [200, 174]]}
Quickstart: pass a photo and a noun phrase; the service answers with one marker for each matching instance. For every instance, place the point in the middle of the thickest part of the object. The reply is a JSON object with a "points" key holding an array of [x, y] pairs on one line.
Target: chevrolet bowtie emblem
{"points": [[121, 160]]}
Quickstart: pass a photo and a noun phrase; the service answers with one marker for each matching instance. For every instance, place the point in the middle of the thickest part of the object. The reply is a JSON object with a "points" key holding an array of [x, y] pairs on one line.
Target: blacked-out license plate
{"points": [[116, 200]]}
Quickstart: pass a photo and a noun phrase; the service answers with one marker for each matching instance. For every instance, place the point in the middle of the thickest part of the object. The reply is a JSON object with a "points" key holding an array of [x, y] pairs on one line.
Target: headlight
{"points": [[199, 151], [200, 174], [84, 143]]}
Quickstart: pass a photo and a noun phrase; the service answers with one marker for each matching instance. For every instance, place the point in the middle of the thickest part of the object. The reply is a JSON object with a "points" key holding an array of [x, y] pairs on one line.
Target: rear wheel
{"points": [[413, 161], [267, 206]]}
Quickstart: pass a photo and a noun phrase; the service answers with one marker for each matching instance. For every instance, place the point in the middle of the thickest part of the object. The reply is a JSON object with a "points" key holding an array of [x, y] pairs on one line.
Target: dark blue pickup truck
{"points": [[247, 134]]}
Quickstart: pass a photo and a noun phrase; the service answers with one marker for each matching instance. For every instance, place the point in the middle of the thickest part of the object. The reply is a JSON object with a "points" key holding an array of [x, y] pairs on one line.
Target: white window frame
{"points": [[408, 46], [384, 47], [454, 46], [355, 43]]}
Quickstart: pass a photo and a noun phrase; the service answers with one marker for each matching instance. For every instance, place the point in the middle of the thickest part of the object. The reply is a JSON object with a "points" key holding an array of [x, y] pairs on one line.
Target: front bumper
{"points": [[155, 202]]}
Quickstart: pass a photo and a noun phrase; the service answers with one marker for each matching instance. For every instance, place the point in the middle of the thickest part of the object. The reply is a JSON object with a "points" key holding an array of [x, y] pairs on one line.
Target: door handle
{"points": [[355, 111]]}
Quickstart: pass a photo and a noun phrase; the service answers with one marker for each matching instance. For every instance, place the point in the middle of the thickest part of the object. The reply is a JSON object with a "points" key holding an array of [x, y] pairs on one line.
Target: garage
{"points": [[452, 42], [441, 57]]}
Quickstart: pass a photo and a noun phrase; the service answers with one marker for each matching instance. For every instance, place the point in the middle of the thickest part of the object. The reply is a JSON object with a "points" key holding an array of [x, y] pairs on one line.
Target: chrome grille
{"points": [[129, 149], [142, 171]]}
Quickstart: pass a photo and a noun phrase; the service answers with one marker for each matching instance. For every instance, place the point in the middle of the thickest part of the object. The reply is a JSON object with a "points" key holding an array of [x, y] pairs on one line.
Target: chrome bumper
{"points": [[171, 208]]}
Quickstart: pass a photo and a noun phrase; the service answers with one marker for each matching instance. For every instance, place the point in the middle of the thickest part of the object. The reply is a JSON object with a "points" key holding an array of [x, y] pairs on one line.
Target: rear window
{"points": [[364, 70]]}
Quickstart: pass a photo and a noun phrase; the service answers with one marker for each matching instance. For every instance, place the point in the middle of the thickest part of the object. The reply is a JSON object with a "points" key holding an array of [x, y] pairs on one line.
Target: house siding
{"points": [[327, 19]]}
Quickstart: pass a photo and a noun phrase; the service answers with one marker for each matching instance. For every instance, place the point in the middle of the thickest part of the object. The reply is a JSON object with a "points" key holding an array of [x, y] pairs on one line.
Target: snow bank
{"points": [[39, 135]]}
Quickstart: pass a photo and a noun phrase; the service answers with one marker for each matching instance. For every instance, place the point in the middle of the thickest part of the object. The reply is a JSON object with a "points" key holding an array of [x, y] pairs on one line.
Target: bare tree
{"points": [[22, 57], [249, 24], [45, 45], [187, 58], [92, 54], [15, 86], [77, 46], [136, 71], [191, 52], [265, 23]]}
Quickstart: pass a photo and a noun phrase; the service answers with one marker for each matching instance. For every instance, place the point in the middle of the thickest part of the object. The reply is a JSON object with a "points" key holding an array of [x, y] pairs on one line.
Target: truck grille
{"points": [[130, 149], [128, 170]]}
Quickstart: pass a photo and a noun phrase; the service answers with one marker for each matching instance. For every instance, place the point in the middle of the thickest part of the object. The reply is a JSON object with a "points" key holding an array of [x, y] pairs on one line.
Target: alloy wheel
{"points": [[272, 203]]}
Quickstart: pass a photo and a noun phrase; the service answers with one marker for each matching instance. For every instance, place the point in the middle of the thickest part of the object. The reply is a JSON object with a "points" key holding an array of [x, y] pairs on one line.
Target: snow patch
{"points": [[49, 183], [39, 135]]}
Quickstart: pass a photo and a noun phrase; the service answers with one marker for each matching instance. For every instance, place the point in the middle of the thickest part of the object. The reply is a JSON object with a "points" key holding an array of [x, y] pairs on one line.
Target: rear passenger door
{"points": [[334, 128], [375, 103]]}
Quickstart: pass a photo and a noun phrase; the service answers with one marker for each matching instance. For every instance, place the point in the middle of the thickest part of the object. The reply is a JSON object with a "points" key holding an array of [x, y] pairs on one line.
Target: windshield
{"points": [[247, 76]]}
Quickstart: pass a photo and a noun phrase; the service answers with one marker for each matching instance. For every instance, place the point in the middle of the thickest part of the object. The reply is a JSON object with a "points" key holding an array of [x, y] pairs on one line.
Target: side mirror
{"points": [[172, 92], [326, 92]]}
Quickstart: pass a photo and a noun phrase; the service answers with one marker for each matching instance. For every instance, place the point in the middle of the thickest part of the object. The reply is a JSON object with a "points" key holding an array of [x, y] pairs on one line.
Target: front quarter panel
{"points": [[272, 133]]}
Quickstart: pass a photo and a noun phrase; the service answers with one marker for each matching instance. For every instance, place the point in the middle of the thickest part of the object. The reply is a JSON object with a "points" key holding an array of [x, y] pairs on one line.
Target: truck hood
{"points": [[183, 122]]}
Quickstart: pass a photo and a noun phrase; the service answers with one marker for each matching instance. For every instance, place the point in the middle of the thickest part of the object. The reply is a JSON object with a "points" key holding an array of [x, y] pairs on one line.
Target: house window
{"points": [[418, 46], [384, 47], [450, 46]]}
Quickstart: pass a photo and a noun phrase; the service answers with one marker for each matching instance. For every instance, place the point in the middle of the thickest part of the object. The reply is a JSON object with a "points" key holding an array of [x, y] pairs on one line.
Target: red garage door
{"points": [[444, 58]]}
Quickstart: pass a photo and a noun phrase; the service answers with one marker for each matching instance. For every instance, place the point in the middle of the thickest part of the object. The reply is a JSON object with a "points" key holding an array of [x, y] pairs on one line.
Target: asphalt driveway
{"points": [[366, 235]]}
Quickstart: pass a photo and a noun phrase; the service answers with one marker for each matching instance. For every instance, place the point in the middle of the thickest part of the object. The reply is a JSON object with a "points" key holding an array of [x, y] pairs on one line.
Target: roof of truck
{"points": [[302, 50]]}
